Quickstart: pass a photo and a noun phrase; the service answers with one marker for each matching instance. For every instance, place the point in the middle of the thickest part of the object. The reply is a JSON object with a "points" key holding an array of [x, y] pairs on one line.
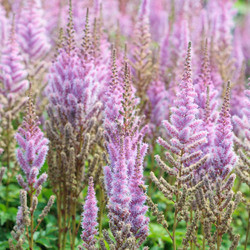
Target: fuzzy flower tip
{"points": [[33, 147], [224, 157], [89, 217]]}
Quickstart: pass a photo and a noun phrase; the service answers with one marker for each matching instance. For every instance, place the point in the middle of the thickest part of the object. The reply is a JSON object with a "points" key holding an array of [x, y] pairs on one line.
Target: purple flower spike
{"points": [[33, 148], [125, 172], [89, 217], [12, 71], [32, 30], [224, 157], [138, 210]]}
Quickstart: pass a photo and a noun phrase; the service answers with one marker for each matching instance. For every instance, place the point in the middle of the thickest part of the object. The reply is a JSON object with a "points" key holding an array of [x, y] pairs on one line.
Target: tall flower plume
{"points": [[32, 151], [89, 217], [32, 34], [12, 70], [224, 157], [125, 171], [184, 129]]}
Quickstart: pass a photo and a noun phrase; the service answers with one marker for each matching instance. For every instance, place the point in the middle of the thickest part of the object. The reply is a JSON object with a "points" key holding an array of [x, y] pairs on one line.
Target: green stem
{"points": [[102, 202], [203, 238], [248, 229], [59, 216], [31, 220], [8, 168], [73, 226], [191, 218], [64, 217], [174, 229]]}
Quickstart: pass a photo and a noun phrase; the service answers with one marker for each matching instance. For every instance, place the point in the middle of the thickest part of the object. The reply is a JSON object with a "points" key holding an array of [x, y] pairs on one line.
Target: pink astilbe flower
{"points": [[184, 125], [203, 84], [137, 209], [206, 99], [73, 84], [89, 217], [125, 171], [12, 70], [184, 129], [32, 151], [224, 157], [32, 34]]}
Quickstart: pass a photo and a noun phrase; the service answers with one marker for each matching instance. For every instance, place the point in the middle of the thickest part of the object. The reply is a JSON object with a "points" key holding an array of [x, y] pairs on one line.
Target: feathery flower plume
{"points": [[142, 61], [33, 150], [123, 136], [74, 125], [184, 127], [72, 87], [31, 154], [203, 84], [32, 34], [89, 217], [185, 139], [224, 157], [12, 70], [206, 99]]}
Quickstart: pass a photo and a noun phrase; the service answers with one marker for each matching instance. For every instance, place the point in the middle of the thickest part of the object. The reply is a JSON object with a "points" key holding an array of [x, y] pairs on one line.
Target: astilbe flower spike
{"points": [[74, 124], [32, 32], [124, 174], [13, 73], [185, 137], [224, 157], [139, 222], [33, 150], [184, 128], [142, 61], [89, 217]]}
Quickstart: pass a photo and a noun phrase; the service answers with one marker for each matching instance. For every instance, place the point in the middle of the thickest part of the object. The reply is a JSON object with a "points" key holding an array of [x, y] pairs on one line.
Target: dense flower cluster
{"points": [[33, 150], [89, 217]]}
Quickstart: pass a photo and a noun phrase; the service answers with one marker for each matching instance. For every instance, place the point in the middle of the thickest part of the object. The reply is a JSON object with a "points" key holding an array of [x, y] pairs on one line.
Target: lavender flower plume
{"points": [[73, 86], [139, 222], [12, 70], [123, 136], [33, 147], [224, 157], [32, 32], [89, 217], [184, 127], [202, 84]]}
